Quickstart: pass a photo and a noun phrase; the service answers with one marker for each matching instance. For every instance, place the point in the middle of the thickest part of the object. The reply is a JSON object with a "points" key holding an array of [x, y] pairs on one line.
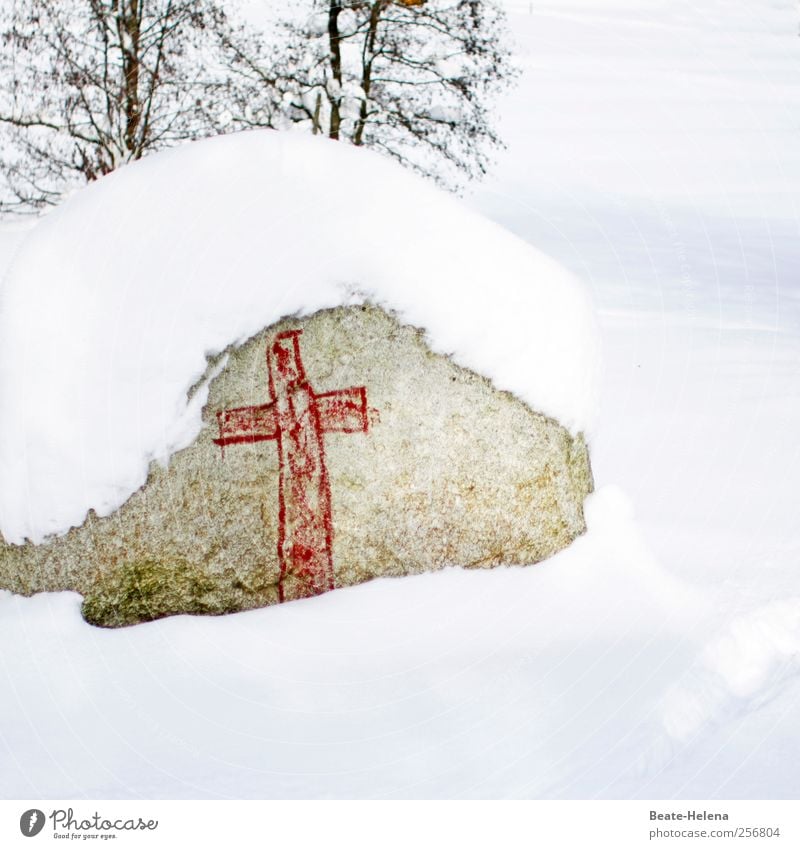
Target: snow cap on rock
{"points": [[118, 298]]}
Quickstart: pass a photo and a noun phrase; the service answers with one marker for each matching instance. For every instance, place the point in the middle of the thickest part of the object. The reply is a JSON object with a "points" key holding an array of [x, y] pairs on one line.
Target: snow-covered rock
{"points": [[367, 451], [349, 452], [116, 302]]}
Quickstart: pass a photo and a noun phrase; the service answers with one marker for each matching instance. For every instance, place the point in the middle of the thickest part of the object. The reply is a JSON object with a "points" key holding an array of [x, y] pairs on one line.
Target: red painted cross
{"points": [[297, 419]]}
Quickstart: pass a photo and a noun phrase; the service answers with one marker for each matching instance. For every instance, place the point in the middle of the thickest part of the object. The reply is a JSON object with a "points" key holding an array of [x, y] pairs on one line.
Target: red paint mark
{"points": [[297, 419]]}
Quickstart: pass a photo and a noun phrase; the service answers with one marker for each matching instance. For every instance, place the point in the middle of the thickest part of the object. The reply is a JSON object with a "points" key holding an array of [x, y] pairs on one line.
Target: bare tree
{"points": [[412, 78], [88, 85]]}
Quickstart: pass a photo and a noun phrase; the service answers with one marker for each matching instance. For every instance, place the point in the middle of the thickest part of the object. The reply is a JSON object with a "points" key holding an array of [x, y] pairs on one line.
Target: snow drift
{"points": [[115, 302]]}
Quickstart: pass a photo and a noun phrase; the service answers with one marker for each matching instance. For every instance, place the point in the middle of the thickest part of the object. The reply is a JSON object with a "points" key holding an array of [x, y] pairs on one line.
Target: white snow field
{"points": [[653, 150]]}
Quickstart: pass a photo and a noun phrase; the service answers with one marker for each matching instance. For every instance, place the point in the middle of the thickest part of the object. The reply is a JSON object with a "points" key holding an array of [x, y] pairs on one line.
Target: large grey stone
{"points": [[446, 470]]}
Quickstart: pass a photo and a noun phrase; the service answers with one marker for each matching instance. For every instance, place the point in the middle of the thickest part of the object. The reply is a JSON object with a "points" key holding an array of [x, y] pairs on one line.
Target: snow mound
{"points": [[116, 300], [740, 669], [527, 683]]}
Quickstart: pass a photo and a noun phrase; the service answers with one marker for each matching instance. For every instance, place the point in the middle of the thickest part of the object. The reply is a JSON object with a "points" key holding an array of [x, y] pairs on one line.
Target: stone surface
{"points": [[449, 471]]}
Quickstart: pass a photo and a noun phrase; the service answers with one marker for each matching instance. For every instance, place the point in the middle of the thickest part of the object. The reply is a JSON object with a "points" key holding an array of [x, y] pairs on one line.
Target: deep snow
{"points": [[653, 150]]}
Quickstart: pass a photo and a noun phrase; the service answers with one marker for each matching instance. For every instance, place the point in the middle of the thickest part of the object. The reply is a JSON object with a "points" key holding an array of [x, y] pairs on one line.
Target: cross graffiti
{"points": [[297, 418]]}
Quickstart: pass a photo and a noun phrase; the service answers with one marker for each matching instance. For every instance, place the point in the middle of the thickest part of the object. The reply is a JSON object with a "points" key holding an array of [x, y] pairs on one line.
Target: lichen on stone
{"points": [[144, 590]]}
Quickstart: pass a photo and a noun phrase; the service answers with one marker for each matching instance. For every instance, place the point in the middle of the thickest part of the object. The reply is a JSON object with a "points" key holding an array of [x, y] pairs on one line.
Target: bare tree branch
{"points": [[414, 79], [88, 85]]}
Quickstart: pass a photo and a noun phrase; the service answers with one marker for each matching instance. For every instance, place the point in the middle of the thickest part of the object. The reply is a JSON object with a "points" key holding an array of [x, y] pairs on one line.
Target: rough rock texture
{"points": [[450, 471]]}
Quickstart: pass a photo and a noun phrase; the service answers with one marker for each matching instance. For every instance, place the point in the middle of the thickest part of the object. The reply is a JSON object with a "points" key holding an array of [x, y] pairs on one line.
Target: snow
{"points": [[391, 688], [116, 300], [653, 150], [11, 238]]}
